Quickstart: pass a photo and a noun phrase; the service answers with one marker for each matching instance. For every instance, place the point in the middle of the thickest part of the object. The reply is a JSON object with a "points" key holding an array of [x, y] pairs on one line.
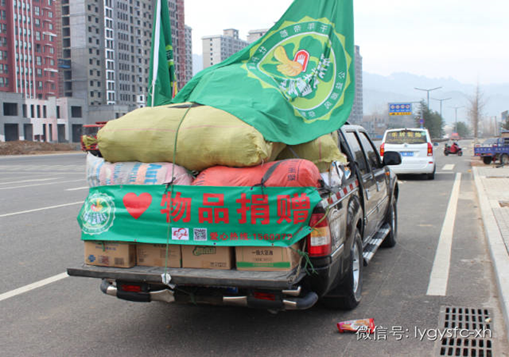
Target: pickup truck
{"points": [[360, 214], [493, 150]]}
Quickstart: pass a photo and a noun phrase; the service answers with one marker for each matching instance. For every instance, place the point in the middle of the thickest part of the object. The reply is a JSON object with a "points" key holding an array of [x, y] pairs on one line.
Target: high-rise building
{"points": [[29, 38], [357, 110], [189, 54], [106, 47], [218, 48], [254, 35]]}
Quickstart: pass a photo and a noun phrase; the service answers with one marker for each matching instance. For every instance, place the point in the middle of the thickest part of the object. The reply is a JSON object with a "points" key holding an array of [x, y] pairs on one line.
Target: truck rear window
{"points": [[406, 137]]}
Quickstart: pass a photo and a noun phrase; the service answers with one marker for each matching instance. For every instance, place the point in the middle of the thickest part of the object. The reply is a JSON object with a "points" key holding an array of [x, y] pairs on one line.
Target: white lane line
{"points": [[40, 209], [448, 167], [27, 288], [77, 188], [439, 276], [39, 184], [46, 179]]}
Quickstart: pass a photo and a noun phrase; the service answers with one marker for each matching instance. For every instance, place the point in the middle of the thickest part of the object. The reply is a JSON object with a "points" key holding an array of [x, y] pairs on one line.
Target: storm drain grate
{"points": [[466, 332]]}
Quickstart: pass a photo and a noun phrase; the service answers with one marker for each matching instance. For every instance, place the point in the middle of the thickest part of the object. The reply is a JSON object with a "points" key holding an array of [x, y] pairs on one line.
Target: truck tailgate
{"points": [[200, 277]]}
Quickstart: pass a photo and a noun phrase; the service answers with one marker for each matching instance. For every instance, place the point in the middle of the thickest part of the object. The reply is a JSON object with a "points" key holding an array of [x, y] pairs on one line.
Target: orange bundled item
{"points": [[365, 325], [285, 173]]}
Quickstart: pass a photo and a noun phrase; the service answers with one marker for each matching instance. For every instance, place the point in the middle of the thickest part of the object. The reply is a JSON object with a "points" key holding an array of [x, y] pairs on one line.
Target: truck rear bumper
{"points": [[168, 296]]}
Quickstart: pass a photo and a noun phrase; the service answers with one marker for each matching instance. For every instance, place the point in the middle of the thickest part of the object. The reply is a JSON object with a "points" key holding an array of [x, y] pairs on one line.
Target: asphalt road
{"points": [[39, 237]]}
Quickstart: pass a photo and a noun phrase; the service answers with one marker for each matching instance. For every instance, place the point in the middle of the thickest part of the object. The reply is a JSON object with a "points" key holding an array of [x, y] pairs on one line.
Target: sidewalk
{"points": [[493, 192]]}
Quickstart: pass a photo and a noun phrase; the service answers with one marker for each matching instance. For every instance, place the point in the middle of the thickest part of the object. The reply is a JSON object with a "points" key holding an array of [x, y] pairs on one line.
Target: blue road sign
{"points": [[400, 108]]}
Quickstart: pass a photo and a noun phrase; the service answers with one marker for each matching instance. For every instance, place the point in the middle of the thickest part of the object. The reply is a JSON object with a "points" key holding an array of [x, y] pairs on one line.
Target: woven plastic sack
{"points": [[322, 152], [286, 173], [103, 173], [207, 137]]}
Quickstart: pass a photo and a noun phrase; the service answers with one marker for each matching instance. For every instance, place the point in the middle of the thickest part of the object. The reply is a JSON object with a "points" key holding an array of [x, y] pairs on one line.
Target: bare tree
{"points": [[477, 103]]}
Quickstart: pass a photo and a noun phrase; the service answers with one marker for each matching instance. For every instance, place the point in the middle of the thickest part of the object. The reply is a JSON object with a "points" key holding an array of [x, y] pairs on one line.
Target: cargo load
{"points": [[321, 151], [103, 173], [285, 173], [206, 137]]}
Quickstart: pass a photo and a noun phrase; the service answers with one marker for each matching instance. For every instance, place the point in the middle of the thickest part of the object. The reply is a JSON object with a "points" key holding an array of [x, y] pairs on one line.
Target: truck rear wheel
{"points": [[487, 160], [504, 159], [349, 291], [392, 219]]}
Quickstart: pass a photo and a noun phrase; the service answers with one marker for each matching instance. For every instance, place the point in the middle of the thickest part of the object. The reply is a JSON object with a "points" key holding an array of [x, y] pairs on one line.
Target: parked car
{"points": [[416, 150]]}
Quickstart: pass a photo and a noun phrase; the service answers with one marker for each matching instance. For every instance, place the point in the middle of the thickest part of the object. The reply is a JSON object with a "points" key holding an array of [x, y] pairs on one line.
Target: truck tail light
{"points": [[382, 149], [132, 288], [430, 149], [319, 240]]}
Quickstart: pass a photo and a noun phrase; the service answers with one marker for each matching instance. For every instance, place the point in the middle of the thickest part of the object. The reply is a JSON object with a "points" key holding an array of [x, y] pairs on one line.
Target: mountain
{"points": [[380, 90]]}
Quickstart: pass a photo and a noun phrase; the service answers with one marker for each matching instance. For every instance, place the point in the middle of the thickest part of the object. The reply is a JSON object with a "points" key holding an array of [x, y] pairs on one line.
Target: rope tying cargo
{"points": [[169, 187]]}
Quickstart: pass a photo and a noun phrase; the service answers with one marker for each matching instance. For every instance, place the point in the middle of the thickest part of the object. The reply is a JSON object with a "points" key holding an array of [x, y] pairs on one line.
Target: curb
{"points": [[497, 247], [41, 155]]}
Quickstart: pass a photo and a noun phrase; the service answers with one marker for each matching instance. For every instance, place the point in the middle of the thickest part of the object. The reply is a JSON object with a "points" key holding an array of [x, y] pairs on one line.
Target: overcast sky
{"points": [[464, 39]]}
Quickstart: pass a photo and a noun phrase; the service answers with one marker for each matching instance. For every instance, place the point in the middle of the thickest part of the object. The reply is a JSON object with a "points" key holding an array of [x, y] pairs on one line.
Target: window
{"points": [[75, 112], [10, 109], [371, 152], [44, 113], [351, 138], [58, 112]]}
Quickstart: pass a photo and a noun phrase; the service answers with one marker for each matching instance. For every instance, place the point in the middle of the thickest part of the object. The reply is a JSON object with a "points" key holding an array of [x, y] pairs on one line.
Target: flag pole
{"points": [[156, 48]]}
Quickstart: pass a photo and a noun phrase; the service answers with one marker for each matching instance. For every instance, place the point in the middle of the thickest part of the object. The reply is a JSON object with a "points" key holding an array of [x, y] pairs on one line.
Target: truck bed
{"points": [[201, 277]]}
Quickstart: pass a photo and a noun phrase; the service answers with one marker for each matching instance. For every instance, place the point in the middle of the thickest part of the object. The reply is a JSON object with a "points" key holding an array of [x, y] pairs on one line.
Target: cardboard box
{"points": [[267, 258], [110, 254], [205, 257], [154, 255]]}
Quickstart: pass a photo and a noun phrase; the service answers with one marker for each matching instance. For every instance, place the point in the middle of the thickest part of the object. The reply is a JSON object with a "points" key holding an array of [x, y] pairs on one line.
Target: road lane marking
{"points": [[27, 288], [46, 179], [77, 188], [439, 276], [40, 209], [39, 184], [448, 167]]}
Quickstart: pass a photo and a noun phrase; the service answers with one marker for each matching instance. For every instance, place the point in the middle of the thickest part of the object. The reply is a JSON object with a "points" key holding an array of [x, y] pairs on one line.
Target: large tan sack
{"points": [[322, 151], [207, 137]]}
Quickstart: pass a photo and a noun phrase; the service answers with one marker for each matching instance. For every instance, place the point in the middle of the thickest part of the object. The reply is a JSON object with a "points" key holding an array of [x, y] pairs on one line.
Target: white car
{"points": [[416, 151]]}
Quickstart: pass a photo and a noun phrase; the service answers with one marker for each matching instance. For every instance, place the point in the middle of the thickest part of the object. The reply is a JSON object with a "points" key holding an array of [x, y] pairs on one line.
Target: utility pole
{"points": [[441, 100], [428, 90]]}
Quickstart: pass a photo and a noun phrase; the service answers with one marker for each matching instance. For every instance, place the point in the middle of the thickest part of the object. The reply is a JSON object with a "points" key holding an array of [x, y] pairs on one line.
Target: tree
{"points": [[463, 130], [477, 103], [432, 121]]}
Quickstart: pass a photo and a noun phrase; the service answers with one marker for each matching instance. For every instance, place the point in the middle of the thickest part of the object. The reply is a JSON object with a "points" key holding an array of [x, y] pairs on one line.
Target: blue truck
{"points": [[492, 150]]}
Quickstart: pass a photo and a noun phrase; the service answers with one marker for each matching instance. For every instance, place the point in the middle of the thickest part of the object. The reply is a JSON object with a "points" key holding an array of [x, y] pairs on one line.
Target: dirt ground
{"points": [[34, 148]]}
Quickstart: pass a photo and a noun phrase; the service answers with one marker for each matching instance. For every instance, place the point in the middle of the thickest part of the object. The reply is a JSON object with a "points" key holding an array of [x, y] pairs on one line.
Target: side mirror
{"points": [[392, 158], [435, 144]]}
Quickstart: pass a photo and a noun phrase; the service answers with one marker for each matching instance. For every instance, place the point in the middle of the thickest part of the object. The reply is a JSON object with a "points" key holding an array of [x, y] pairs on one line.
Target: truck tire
{"points": [[351, 288], [504, 159], [487, 160], [392, 219], [431, 176]]}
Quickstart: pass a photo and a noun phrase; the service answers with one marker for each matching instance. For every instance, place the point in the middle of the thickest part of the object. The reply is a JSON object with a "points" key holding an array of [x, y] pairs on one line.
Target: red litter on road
{"points": [[365, 325]]}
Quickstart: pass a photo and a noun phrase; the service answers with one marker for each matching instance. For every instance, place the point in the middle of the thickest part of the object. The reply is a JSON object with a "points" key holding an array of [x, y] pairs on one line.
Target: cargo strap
{"points": [[268, 174], [166, 279]]}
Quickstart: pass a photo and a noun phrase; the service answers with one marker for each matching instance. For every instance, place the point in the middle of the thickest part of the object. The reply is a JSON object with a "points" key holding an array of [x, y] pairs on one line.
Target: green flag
{"points": [[294, 84], [162, 83]]}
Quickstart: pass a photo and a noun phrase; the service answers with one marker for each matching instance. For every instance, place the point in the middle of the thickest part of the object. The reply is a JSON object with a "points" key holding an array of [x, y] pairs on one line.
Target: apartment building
{"points": [[356, 116], [218, 48]]}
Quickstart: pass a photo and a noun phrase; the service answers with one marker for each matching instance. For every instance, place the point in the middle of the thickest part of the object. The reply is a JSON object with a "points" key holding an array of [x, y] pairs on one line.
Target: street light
{"points": [[441, 100], [428, 90], [456, 117]]}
